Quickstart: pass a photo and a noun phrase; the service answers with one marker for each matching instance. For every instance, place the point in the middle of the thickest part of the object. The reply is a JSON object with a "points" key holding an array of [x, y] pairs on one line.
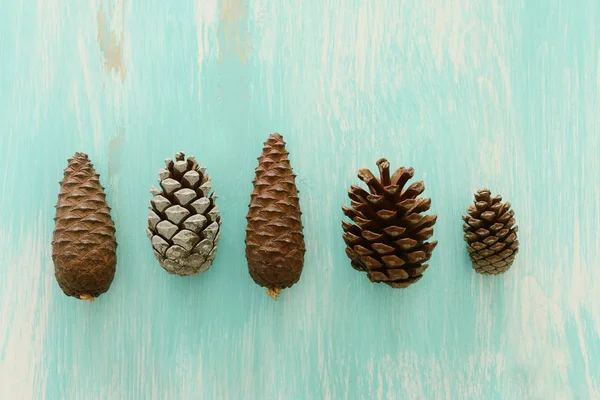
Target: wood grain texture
{"points": [[471, 93]]}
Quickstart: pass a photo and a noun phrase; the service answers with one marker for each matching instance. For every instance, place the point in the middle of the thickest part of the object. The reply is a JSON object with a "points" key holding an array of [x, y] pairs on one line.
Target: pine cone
{"points": [[184, 222], [387, 239], [274, 240], [490, 234], [84, 245]]}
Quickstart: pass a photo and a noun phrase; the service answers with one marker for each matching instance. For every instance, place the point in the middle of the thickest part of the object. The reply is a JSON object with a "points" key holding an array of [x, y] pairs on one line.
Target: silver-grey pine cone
{"points": [[184, 224]]}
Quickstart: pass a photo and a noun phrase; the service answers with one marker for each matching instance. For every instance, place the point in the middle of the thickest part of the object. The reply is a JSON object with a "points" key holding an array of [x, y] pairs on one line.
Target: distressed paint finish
{"points": [[470, 93]]}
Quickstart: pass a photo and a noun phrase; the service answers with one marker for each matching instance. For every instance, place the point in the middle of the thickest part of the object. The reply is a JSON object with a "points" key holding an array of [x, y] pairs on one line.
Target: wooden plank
{"points": [[469, 93]]}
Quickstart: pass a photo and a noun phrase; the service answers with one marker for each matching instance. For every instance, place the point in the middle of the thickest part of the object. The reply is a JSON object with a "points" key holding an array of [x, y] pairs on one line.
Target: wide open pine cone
{"points": [[388, 237], [184, 224], [490, 233], [84, 245], [274, 240]]}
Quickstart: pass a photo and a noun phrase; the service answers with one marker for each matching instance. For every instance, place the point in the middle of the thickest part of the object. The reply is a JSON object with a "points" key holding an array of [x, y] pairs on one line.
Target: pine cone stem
{"points": [[274, 293], [87, 297]]}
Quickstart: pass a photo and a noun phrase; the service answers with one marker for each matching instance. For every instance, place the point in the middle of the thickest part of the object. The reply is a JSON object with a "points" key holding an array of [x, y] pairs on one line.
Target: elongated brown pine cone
{"points": [[274, 240], [388, 237], [84, 245], [490, 233]]}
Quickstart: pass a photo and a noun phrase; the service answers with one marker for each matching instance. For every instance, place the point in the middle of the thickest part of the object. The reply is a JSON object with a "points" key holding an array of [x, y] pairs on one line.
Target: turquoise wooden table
{"points": [[470, 93]]}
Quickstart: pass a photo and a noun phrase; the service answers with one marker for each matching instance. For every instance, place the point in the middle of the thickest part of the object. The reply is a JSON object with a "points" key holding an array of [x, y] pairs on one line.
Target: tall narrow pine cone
{"points": [[274, 240], [490, 233], [184, 225], [388, 237], [84, 245]]}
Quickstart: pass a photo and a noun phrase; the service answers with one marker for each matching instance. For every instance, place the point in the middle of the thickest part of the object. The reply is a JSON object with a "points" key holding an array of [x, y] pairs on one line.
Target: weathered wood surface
{"points": [[470, 93]]}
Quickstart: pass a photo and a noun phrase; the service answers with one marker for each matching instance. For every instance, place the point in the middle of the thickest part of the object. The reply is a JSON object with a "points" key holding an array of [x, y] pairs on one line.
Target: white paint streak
{"points": [[76, 107], [24, 313], [91, 93], [206, 27], [539, 343], [47, 43]]}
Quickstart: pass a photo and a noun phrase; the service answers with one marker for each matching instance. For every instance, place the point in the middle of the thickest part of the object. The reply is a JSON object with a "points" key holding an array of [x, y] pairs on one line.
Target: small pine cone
{"points": [[84, 245], [274, 240], [387, 239], [184, 225], [490, 233]]}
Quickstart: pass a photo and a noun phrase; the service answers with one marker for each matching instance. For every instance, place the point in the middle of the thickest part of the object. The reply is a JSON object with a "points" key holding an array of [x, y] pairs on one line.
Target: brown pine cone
{"points": [[490, 233], [387, 239], [84, 245], [274, 240]]}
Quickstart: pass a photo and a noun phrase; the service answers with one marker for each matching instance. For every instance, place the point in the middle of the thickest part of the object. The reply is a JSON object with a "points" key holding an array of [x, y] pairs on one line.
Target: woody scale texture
{"points": [[184, 223], [84, 244], [274, 239], [388, 235], [490, 233]]}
